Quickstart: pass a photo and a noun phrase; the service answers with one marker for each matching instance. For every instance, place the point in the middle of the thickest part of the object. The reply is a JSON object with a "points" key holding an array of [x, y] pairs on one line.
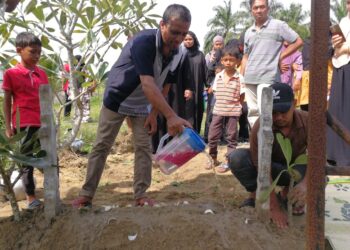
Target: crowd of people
{"points": [[158, 83]]}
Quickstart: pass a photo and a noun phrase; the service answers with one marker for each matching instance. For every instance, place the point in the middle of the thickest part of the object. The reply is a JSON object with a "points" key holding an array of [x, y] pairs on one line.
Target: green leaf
{"points": [[31, 6], [63, 19], [13, 61], [106, 31], [87, 84], [116, 45], [91, 37], [45, 42], [26, 160], [79, 31], [286, 147], [50, 29], [39, 13], [3, 139], [17, 137], [301, 159], [340, 201], [85, 22], [41, 154], [115, 32], [90, 12], [102, 70], [51, 15], [3, 151], [265, 194], [296, 176]]}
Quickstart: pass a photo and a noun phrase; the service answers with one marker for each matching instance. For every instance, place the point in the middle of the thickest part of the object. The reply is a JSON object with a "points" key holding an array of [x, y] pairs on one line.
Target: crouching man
{"points": [[292, 124]]}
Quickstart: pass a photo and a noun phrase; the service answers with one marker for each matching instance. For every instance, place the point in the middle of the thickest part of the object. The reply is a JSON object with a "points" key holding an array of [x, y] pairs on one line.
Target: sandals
{"points": [[250, 202], [144, 201], [209, 164], [82, 202], [34, 204], [223, 168]]}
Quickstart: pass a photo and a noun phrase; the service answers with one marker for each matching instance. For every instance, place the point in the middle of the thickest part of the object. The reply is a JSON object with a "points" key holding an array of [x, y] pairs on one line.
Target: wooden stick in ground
{"points": [[265, 140], [47, 137]]}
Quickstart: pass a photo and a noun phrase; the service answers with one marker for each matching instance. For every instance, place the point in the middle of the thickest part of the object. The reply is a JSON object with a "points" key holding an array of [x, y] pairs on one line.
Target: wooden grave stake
{"points": [[47, 137], [265, 141]]}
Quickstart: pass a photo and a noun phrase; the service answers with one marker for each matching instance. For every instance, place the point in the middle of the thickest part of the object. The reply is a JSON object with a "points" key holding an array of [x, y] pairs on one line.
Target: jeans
{"points": [[216, 129]]}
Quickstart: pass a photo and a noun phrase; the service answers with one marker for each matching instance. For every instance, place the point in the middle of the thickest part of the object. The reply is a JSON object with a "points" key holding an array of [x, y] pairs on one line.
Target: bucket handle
{"points": [[162, 141]]}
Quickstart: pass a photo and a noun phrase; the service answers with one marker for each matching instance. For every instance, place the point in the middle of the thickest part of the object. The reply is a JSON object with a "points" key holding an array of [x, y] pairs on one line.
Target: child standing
{"points": [[21, 86], [227, 108]]}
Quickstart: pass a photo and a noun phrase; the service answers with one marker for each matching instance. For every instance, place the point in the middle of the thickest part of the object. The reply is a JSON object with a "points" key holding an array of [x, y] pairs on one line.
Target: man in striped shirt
{"points": [[227, 108]]}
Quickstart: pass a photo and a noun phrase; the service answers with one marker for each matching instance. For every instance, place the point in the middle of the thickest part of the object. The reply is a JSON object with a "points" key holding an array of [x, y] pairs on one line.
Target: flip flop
{"points": [[223, 168], [82, 202], [250, 202], [34, 204], [144, 201], [210, 166]]}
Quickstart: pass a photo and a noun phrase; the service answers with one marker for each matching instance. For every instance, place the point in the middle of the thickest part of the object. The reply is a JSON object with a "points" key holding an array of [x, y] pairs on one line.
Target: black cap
{"points": [[283, 97]]}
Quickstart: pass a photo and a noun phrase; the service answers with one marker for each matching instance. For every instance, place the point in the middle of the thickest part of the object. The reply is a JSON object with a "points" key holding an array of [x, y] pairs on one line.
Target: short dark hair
{"points": [[236, 43], [231, 51], [25, 39], [177, 11], [251, 2]]}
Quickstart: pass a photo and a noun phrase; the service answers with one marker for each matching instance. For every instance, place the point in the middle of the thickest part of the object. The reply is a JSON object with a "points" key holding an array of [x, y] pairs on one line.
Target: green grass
{"points": [[87, 131]]}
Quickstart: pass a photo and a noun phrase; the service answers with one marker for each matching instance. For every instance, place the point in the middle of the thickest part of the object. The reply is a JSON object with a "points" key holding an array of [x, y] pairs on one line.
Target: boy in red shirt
{"points": [[21, 86]]}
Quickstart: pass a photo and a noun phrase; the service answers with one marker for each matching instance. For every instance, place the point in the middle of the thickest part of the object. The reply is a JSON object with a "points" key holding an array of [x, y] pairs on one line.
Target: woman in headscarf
{"points": [[338, 151], [195, 106]]}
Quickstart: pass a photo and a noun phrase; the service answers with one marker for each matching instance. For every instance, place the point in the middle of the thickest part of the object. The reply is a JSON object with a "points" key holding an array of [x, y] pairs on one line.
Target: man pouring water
{"points": [[136, 87]]}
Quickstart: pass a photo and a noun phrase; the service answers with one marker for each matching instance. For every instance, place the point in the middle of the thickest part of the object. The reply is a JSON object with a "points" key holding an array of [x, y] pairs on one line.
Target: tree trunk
{"points": [[10, 194]]}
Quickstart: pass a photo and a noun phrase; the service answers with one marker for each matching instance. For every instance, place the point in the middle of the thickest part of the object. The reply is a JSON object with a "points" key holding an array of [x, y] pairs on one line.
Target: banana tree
{"points": [[295, 176]]}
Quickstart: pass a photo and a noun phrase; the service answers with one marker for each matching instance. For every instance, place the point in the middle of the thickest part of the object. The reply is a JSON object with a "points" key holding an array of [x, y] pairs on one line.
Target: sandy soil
{"points": [[177, 222]]}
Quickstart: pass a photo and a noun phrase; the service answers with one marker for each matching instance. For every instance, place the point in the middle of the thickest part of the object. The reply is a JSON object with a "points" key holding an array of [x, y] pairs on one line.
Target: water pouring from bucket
{"points": [[178, 151]]}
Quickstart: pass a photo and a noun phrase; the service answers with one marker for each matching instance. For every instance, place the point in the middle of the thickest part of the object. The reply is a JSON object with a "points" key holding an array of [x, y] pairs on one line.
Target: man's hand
{"points": [[176, 125], [210, 90], [298, 194], [151, 123], [283, 66], [337, 41], [188, 94], [297, 85]]}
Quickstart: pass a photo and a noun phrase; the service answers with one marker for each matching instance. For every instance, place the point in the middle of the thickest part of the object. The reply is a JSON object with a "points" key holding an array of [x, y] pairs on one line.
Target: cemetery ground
{"points": [[196, 209]]}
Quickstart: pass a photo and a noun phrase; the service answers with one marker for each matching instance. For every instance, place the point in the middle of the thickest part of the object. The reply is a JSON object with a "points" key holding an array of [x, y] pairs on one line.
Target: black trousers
{"points": [[243, 123], [241, 166], [68, 108], [27, 171]]}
